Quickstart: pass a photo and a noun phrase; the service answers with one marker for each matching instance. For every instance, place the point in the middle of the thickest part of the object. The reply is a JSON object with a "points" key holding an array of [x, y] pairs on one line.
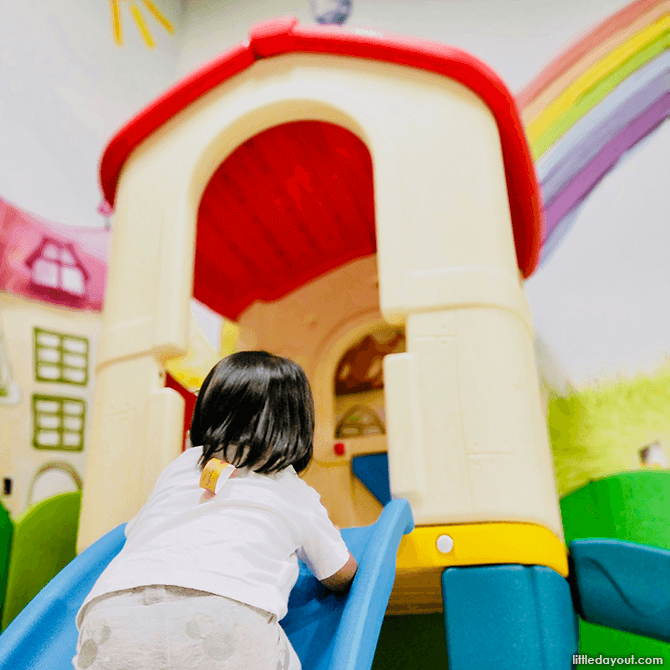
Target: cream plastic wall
{"points": [[447, 269], [315, 325]]}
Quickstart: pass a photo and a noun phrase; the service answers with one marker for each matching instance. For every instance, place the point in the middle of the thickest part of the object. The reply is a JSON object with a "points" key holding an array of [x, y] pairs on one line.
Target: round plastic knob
{"points": [[444, 544]]}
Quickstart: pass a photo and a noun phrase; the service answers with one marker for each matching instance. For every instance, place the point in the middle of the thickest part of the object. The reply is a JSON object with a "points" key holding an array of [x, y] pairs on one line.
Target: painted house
{"points": [[51, 291], [51, 287]]}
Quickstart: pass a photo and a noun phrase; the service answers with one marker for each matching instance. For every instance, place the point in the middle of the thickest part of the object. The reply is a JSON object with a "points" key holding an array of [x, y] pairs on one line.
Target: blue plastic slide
{"points": [[329, 632]]}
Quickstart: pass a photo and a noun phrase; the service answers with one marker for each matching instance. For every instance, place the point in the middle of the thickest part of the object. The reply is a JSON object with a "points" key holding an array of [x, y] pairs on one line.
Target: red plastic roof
{"points": [[273, 218]]}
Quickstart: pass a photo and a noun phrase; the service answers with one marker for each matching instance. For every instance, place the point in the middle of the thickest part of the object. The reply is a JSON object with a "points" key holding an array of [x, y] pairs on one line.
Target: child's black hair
{"points": [[255, 410]]}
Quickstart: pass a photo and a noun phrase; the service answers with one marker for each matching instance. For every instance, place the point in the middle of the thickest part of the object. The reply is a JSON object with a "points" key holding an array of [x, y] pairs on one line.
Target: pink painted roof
{"points": [[23, 234]]}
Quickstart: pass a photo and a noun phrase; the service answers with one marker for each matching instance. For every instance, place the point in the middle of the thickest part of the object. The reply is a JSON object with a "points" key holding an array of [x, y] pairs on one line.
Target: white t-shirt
{"points": [[244, 543]]}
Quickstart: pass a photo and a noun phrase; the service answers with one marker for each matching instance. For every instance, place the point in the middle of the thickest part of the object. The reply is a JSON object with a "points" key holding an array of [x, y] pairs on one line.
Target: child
{"points": [[204, 578]]}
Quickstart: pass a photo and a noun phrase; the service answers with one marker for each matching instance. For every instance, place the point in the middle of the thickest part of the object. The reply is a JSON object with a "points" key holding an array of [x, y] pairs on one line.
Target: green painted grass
{"points": [[596, 432]]}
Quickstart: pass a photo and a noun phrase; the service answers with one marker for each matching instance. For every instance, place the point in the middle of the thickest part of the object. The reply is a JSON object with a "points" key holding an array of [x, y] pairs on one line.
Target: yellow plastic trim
{"points": [[482, 544]]}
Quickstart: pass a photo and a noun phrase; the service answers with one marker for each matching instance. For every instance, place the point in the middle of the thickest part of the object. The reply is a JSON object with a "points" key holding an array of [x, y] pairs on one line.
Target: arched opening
{"points": [[359, 384], [52, 479], [287, 206], [285, 246], [360, 414]]}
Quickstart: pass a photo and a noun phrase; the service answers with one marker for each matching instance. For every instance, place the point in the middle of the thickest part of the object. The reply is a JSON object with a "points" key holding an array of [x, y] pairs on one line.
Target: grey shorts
{"points": [[169, 627]]}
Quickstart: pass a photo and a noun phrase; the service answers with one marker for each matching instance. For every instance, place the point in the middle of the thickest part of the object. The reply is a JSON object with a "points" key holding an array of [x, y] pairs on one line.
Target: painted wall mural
{"points": [[592, 104], [331, 11], [10, 394], [52, 283], [138, 19]]}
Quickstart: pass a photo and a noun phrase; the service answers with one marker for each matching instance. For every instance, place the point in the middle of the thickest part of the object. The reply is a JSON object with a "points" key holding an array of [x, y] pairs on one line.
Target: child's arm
{"points": [[340, 582], [324, 551]]}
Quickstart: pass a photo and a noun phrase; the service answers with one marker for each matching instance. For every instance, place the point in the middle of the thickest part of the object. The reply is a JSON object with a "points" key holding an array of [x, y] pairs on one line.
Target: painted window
{"points": [[360, 369], [359, 384], [360, 421], [57, 268], [60, 358], [58, 423]]}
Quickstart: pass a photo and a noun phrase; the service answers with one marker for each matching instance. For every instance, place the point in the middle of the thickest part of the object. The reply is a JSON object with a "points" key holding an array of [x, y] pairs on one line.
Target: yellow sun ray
{"points": [[139, 21], [144, 30], [116, 21], [159, 17]]}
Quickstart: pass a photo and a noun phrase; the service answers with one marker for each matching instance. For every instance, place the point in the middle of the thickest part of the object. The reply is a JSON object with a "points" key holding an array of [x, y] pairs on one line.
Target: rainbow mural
{"points": [[593, 103]]}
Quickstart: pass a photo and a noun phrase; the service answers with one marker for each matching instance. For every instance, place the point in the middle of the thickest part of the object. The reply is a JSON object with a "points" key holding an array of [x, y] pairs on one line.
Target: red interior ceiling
{"points": [[286, 206]]}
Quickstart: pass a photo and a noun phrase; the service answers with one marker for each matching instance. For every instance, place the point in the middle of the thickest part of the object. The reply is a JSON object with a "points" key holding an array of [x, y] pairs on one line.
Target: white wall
{"points": [[515, 37], [65, 88], [603, 298]]}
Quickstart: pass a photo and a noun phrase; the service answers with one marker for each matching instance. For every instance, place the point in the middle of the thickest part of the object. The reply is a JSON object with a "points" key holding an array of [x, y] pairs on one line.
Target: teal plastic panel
{"points": [[624, 585], [508, 617], [372, 470]]}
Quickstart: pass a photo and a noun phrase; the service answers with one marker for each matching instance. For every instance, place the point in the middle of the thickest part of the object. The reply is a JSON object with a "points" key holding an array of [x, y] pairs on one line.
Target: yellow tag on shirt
{"points": [[215, 474]]}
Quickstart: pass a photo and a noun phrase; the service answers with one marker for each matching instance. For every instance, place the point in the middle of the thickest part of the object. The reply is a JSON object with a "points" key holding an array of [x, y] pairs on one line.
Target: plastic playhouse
{"points": [[330, 191]]}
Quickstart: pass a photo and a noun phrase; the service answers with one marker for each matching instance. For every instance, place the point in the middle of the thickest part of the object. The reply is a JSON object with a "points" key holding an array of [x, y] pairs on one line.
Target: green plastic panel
{"points": [[632, 506], [6, 532], [44, 543]]}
